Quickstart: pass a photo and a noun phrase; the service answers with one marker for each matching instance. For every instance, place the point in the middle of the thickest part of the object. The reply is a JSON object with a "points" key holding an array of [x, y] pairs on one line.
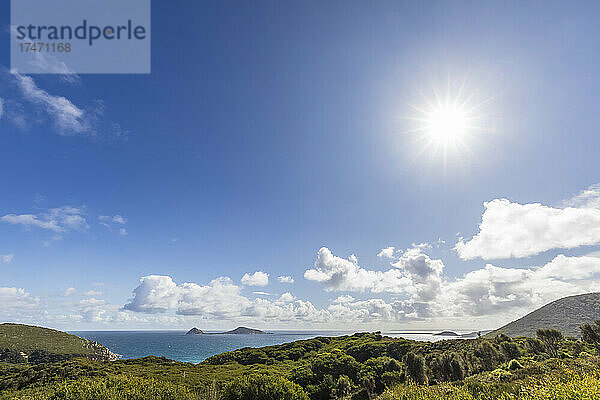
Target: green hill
{"points": [[565, 315], [41, 344]]}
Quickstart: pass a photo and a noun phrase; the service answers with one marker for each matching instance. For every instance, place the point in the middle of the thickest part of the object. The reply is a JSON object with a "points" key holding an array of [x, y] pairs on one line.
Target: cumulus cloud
{"points": [[6, 258], [510, 229], [123, 232], [155, 294], [337, 273], [285, 279], [59, 220], [69, 291], [259, 278], [387, 252], [93, 293], [424, 274], [492, 290], [427, 293], [94, 310], [13, 298], [287, 297], [221, 299]]}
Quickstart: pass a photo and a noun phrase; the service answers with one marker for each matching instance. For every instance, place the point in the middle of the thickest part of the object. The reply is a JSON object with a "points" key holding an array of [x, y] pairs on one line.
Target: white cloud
{"points": [[489, 291], [6, 258], [1, 107], [285, 279], [588, 198], [69, 118], [155, 294], [94, 310], [16, 298], [70, 291], [519, 230], [424, 273], [59, 220], [387, 252], [47, 63], [262, 293], [495, 290], [108, 221], [287, 297], [119, 219], [341, 274], [93, 293], [259, 278], [221, 299], [346, 298]]}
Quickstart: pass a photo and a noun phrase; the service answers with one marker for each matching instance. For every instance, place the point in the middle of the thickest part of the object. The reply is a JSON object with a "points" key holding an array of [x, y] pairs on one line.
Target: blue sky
{"points": [[268, 131]]}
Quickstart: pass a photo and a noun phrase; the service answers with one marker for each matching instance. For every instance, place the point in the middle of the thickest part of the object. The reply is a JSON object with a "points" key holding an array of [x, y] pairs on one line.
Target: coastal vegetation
{"points": [[359, 366]]}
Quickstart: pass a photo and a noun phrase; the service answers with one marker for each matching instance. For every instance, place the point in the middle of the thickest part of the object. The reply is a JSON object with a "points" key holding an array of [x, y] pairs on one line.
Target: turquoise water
{"points": [[176, 345]]}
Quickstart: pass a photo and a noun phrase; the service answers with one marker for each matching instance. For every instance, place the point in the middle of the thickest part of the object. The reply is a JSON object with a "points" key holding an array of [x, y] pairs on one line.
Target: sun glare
{"points": [[449, 122], [446, 124]]}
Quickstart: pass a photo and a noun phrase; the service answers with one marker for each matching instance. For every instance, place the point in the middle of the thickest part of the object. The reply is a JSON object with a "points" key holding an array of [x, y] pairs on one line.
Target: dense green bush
{"points": [[415, 368], [117, 387], [263, 387], [510, 350], [551, 338]]}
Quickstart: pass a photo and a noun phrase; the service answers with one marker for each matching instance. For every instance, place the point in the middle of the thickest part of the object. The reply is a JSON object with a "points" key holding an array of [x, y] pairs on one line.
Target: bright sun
{"points": [[445, 124], [450, 121]]}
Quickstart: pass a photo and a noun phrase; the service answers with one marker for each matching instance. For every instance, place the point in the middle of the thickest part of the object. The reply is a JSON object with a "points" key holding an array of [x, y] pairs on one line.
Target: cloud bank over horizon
{"points": [[414, 288]]}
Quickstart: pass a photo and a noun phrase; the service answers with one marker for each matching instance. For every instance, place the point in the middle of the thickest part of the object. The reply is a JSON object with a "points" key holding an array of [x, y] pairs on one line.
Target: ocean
{"points": [[176, 345]]}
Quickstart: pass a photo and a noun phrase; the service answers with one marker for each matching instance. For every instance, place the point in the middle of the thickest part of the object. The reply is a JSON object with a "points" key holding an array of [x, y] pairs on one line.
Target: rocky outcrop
{"points": [[101, 353], [194, 331], [241, 330]]}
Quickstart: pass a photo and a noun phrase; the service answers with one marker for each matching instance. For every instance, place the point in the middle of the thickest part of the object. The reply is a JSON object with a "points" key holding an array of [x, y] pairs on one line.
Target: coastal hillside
{"points": [[358, 367], [564, 315], [27, 343]]}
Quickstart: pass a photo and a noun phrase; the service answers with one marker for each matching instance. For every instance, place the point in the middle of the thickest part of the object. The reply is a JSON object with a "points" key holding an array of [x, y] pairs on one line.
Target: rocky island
{"points": [[446, 333], [194, 331], [241, 330]]}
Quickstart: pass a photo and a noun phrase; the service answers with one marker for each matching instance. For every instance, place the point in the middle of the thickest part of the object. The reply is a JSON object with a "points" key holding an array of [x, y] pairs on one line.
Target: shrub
{"points": [[116, 388], [510, 350], [514, 364], [551, 338], [415, 368], [535, 346], [449, 367], [263, 387], [342, 388]]}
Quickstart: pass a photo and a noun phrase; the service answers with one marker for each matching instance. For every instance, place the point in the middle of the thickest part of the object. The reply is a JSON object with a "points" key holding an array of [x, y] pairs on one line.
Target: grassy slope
{"points": [[565, 315], [27, 338]]}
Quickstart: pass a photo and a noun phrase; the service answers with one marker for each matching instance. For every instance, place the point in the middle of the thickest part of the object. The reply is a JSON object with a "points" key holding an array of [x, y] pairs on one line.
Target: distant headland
{"points": [[240, 330]]}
